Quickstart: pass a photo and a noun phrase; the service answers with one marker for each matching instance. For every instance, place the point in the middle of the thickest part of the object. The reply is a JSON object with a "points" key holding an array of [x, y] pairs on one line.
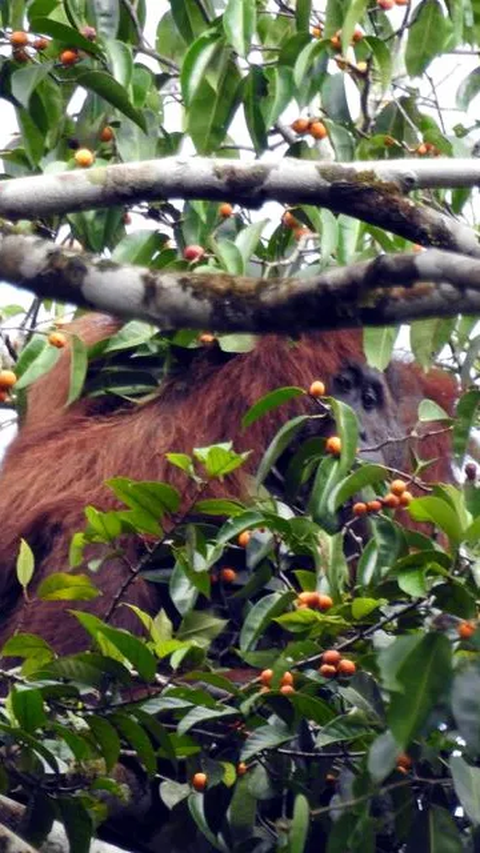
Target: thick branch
{"points": [[372, 191], [389, 289], [11, 816]]}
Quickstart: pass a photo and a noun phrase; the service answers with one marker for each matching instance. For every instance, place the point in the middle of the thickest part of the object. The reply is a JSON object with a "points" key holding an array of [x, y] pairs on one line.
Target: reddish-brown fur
{"points": [[62, 457]]}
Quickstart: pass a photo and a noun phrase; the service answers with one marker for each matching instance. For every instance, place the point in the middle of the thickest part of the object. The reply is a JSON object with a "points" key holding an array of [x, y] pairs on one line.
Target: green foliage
{"points": [[381, 759]]}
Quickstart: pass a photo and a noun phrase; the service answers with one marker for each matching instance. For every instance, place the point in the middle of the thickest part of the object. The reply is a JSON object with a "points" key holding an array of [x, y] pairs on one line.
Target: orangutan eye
{"points": [[371, 398], [345, 382]]}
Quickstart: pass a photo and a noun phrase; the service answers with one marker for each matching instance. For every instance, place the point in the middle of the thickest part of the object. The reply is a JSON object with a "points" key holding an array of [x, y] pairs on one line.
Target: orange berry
{"points": [[331, 657], [398, 487], [244, 538], [402, 2], [287, 689], [470, 471], [310, 599], [334, 445], [288, 220], [7, 379], [242, 769], [287, 678], [89, 33], [299, 233], [406, 499], [317, 389], [324, 602], [422, 149], [206, 339], [401, 769], [389, 141], [327, 670], [18, 38], [127, 219], [57, 339], [106, 134], [300, 125], [3, 396], [386, 5], [466, 630], [225, 210], [318, 130], [84, 157], [20, 55], [199, 781], [69, 57], [193, 253], [228, 575], [391, 501], [346, 667], [357, 34], [317, 32], [417, 247], [359, 508], [374, 506], [266, 676], [336, 43], [404, 760], [41, 43]]}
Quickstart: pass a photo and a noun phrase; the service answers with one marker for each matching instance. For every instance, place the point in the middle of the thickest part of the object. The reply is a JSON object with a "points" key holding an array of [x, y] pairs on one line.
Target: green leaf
{"points": [[199, 715], [270, 401], [42, 363], [67, 35], [240, 23], [25, 645], [62, 586], [440, 513], [367, 475], [196, 62], [132, 648], [465, 419], [347, 429], [200, 625], [211, 110], [137, 738], [426, 37], [28, 708], [151, 496], [429, 410], [260, 616], [278, 444], [362, 607], [25, 81], [113, 93], [468, 89], [219, 506], [255, 90], [247, 239], [25, 564], [466, 780], [77, 822], [107, 738], [355, 13], [298, 833], [107, 17], [190, 18], [378, 344], [78, 368], [424, 676], [266, 737], [196, 808], [219, 459], [237, 343], [181, 460]]}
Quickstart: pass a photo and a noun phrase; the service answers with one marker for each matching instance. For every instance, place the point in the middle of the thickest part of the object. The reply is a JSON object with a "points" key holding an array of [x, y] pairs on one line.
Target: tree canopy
{"points": [[150, 143]]}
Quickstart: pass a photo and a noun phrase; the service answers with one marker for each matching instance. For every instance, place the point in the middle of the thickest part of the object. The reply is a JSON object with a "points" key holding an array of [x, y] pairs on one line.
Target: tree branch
{"points": [[371, 191], [388, 289], [11, 815]]}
